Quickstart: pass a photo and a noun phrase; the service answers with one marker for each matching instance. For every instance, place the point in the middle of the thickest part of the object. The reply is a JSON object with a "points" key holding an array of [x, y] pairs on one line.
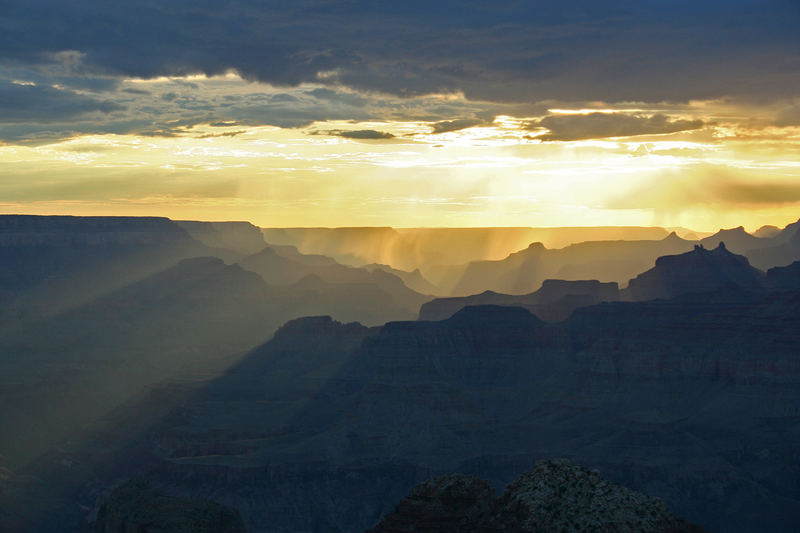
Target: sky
{"points": [[406, 114]]}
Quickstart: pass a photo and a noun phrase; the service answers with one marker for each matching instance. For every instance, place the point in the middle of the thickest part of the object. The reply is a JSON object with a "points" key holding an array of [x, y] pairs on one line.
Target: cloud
{"points": [[223, 134], [362, 134], [445, 126], [602, 125], [45, 105], [521, 51]]}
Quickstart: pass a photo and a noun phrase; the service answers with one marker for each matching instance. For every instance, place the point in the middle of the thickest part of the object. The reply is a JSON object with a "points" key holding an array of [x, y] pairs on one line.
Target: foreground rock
{"points": [[554, 496], [136, 507]]}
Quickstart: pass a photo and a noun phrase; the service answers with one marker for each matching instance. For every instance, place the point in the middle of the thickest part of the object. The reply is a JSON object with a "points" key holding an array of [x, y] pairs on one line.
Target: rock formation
{"points": [[553, 497], [700, 270]]}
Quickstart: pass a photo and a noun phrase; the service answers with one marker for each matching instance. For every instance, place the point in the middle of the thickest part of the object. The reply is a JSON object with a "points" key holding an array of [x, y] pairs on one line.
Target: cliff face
{"points": [[240, 237], [554, 496], [30, 230], [135, 507]]}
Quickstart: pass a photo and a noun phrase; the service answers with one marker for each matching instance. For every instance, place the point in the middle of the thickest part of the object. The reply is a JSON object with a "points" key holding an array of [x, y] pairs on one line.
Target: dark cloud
{"points": [[513, 51], [602, 125], [362, 134], [760, 193], [223, 134], [133, 90], [43, 105], [443, 126]]}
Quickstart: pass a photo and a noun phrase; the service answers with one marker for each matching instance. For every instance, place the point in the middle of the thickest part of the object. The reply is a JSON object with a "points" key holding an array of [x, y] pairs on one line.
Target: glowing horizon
{"points": [[461, 125]]}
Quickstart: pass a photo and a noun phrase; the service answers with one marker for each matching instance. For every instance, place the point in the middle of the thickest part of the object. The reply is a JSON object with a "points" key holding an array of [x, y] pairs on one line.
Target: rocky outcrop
{"points": [[136, 507], [700, 270], [554, 496]]}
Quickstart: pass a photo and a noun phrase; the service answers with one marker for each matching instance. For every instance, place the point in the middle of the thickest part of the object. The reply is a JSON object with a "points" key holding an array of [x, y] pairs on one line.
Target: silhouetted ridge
{"points": [[766, 231], [524, 271], [554, 300], [697, 271], [736, 239], [781, 249]]}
